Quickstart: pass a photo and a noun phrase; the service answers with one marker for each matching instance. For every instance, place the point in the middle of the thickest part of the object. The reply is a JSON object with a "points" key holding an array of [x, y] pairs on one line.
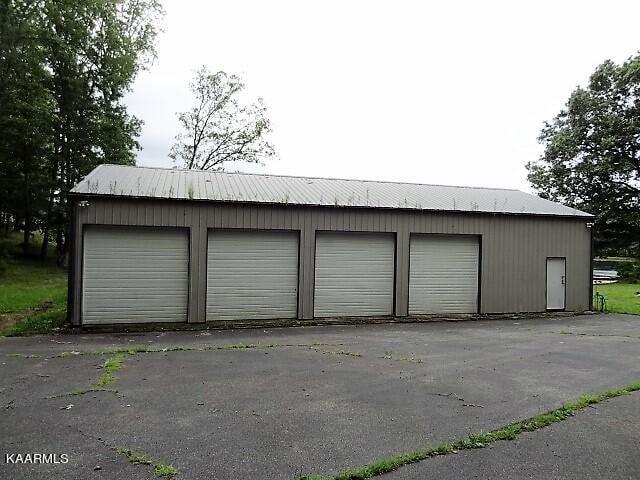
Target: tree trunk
{"points": [[47, 228], [45, 243], [60, 247], [27, 201]]}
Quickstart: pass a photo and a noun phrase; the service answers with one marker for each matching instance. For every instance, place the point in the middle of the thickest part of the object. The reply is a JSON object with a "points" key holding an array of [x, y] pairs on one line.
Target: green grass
{"points": [[111, 365], [33, 293], [159, 469], [481, 440], [621, 297], [29, 283]]}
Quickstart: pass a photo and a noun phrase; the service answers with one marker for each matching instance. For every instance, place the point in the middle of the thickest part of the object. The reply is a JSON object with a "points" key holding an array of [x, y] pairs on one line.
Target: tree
{"points": [[65, 66], [27, 115], [591, 158], [97, 48], [219, 129]]}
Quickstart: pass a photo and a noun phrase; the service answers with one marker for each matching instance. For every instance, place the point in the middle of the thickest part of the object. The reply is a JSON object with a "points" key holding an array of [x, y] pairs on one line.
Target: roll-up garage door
{"points": [[443, 274], [135, 275], [354, 274], [252, 275]]}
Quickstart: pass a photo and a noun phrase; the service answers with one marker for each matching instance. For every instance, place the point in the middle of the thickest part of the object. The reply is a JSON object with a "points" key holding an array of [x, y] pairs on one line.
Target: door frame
{"points": [[546, 284]]}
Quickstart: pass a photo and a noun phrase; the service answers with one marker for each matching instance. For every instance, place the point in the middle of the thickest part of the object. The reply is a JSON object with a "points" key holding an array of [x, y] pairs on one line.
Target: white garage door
{"points": [[443, 274], [354, 274], [135, 275], [252, 275]]}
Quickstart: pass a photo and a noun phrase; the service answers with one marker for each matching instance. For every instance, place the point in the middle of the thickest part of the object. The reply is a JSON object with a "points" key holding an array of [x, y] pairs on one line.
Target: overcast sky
{"points": [[448, 92]]}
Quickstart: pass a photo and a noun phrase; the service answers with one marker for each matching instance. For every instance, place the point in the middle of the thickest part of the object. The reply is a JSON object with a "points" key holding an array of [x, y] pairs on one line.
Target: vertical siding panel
{"points": [[254, 217], [121, 213], [139, 213], [261, 219]]}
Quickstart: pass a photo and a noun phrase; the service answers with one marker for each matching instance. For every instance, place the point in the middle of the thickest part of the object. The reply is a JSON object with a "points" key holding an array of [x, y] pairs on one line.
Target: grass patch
{"points": [[50, 318], [159, 469], [33, 293], [621, 297], [27, 282], [481, 440]]}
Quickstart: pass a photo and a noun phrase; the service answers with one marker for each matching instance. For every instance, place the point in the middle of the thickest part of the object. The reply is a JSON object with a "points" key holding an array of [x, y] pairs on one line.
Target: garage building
{"points": [[161, 245]]}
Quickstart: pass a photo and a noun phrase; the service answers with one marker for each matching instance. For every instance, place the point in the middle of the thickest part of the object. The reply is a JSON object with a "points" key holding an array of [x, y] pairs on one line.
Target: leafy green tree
{"points": [[591, 159], [65, 66], [219, 129], [96, 49], [27, 114]]}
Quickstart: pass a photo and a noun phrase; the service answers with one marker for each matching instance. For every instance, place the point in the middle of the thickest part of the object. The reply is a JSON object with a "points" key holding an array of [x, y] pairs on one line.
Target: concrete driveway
{"points": [[319, 400]]}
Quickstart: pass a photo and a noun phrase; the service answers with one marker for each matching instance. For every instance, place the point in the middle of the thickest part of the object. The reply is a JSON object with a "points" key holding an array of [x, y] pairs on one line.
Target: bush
{"points": [[629, 271]]}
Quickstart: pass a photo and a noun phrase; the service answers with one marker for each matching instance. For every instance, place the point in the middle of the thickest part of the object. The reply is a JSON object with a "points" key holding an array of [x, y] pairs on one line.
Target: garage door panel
{"points": [[443, 274], [135, 275], [252, 275], [354, 274]]}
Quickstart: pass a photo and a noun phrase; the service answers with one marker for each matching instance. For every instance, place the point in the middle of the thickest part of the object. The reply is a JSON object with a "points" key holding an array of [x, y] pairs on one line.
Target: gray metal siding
{"points": [[353, 274], [135, 275], [514, 247], [252, 275], [443, 274]]}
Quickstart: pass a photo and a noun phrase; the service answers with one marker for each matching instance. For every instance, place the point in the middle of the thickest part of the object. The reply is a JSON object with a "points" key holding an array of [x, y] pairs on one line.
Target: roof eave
{"points": [[582, 215]]}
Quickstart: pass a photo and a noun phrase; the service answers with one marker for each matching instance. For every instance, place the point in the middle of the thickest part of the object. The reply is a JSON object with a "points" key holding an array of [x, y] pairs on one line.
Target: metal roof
{"points": [[145, 182]]}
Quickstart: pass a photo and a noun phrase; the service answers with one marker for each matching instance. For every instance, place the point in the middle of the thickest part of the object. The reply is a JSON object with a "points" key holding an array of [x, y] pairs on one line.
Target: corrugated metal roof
{"points": [[127, 181]]}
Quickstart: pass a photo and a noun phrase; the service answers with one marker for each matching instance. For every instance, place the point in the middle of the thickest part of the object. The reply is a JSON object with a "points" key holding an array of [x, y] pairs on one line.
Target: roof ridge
{"points": [[303, 177]]}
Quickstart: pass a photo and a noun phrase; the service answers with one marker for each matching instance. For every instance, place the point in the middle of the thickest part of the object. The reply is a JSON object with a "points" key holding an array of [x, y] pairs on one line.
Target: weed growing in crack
{"points": [[134, 349], [22, 355], [481, 440], [403, 359], [338, 352], [583, 334], [111, 365], [159, 469]]}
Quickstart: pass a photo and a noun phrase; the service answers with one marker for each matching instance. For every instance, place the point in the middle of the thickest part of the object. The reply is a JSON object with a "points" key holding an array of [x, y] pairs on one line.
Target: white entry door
{"points": [[556, 279]]}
